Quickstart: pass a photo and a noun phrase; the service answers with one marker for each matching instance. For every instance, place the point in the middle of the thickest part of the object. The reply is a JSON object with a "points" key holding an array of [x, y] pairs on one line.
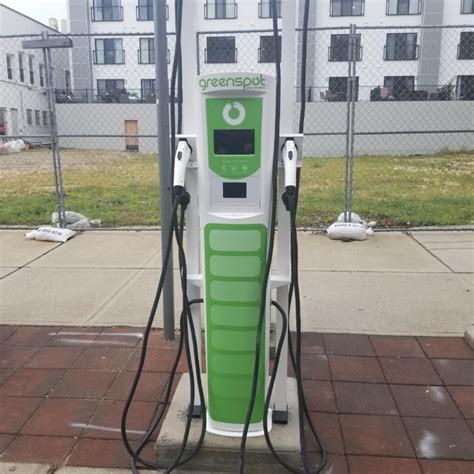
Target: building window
{"points": [[109, 51], [466, 45], [146, 53], [265, 9], [148, 89], [21, 66], [67, 79], [347, 7], [31, 69], [10, 66], [37, 118], [399, 87], [220, 9], [109, 90], [403, 7], [401, 47], [339, 49], [45, 118], [465, 87], [3, 121], [107, 10], [467, 6], [266, 52], [338, 89], [41, 75], [220, 49], [29, 116]]}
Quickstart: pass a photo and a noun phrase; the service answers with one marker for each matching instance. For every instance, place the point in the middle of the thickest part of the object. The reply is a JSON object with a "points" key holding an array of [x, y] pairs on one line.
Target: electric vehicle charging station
{"points": [[237, 145]]}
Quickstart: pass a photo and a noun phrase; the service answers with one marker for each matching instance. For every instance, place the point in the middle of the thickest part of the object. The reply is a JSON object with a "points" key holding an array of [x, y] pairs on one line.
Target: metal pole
{"points": [[353, 38], [58, 178], [163, 118], [349, 123]]}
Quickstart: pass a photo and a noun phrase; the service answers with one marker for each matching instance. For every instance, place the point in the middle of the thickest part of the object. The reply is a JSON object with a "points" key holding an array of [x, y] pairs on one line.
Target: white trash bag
{"points": [[357, 229], [75, 221], [52, 234]]}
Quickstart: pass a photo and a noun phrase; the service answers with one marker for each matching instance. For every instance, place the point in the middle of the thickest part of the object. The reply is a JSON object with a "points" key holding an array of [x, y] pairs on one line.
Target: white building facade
{"points": [[23, 95], [409, 63]]}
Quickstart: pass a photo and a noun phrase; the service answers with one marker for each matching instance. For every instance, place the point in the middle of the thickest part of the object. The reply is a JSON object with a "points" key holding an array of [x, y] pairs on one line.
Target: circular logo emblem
{"points": [[230, 115]]}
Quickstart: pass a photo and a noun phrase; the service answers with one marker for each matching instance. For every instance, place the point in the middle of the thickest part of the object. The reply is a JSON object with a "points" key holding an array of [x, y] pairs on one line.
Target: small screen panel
{"points": [[234, 190], [234, 142]]}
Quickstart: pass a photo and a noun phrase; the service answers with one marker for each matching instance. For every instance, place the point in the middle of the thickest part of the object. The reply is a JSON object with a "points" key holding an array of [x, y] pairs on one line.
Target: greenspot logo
{"points": [[238, 82]]}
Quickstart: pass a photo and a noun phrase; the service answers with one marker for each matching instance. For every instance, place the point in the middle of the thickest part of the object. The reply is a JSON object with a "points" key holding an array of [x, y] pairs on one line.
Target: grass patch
{"points": [[122, 189]]}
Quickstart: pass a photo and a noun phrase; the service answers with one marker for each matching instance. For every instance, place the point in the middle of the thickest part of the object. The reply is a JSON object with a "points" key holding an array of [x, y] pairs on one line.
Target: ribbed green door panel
{"points": [[234, 259]]}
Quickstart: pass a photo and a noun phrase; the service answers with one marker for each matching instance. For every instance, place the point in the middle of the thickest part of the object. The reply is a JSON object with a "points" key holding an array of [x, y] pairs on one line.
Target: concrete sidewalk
{"points": [[393, 283]]}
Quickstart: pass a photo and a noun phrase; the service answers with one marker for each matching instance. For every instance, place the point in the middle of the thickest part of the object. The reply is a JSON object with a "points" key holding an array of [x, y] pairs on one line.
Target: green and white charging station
{"points": [[234, 158]]}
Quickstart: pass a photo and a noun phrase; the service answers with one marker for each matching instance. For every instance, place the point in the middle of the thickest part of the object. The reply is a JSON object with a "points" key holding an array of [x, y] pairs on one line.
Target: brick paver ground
{"points": [[382, 404]]}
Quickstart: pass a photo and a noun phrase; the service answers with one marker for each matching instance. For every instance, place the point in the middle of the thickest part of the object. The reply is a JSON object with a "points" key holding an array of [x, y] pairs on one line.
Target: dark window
{"points": [[21, 66], [338, 89], [220, 9], [29, 116], [10, 66], [339, 49], [220, 49], [399, 87], [465, 86], [148, 89], [67, 79], [467, 6], [145, 10], [3, 121], [266, 52], [466, 45], [31, 68], [403, 7], [37, 118], [110, 89], [401, 47], [109, 51], [347, 7], [265, 9], [146, 53], [45, 118], [107, 10], [41, 74]]}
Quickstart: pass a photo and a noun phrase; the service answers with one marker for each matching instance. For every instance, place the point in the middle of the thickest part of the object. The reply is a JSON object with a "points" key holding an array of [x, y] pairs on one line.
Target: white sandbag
{"points": [[53, 234], [81, 224], [71, 217], [13, 146], [347, 231]]}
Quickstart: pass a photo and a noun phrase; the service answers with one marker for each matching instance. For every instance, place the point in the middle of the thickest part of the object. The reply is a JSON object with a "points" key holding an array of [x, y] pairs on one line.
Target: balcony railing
{"points": [[265, 10], [218, 11], [267, 56], [145, 12], [146, 56], [219, 57], [392, 54], [102, 56], [112, 13], [335, 54]]}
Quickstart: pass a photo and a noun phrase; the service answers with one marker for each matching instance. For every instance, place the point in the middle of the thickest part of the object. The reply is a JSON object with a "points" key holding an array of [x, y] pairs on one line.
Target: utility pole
{"points": [[163, 120]]}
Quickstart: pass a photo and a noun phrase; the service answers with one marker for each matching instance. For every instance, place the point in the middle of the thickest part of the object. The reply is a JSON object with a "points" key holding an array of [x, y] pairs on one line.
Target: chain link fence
{"points": [[389, 128]]}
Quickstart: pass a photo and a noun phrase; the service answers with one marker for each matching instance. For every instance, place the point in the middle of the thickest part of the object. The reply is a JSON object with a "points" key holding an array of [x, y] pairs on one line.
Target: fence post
{"points": [[58, 178], [350, 122], [163, 121]]}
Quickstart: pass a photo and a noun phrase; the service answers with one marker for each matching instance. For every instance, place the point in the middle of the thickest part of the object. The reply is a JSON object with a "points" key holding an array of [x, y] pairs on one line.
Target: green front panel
{"points": [[234, 166], [234, 257]]}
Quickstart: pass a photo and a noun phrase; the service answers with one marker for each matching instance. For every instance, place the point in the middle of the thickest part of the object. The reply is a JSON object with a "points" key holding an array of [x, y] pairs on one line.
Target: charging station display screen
{"points": [[234, 190], [234, 142]]}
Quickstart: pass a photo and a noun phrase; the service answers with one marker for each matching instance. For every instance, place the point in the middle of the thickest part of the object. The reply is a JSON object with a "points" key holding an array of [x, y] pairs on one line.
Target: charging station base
{"points": [[221, 453]]}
